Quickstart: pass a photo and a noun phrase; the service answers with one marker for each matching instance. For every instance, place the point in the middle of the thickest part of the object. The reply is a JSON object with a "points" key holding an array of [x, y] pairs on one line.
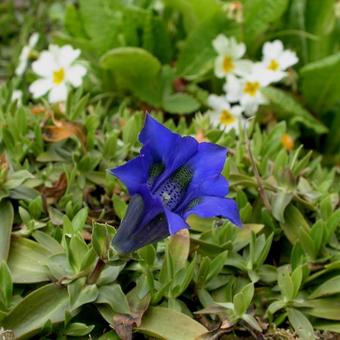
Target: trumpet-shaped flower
{"points": [[58, 70], [225, 116], [276, 59], [25, 54], [172, 178], [247, 90], [229, 57]]}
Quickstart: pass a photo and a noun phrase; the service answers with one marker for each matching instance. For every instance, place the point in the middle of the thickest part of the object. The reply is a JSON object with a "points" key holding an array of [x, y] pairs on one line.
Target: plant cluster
{"points": [[73, 104]]}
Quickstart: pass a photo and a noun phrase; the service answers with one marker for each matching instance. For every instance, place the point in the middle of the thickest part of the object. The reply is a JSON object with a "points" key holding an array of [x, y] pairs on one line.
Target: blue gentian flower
{"points": [[172, 178]]}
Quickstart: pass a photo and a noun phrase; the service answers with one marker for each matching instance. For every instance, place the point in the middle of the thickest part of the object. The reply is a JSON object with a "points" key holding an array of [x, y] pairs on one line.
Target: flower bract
{"points": [[172, 178], [57, 69]]}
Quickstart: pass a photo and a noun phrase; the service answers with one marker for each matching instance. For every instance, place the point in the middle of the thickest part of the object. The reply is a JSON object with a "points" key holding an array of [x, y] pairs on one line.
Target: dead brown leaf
{"points": [[57, 190], [63, 130]]}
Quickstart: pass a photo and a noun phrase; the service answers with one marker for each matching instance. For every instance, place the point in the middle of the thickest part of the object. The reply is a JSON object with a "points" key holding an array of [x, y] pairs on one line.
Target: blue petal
{"points": [[152, 205], [175, 222], [211, 206], [132, 174], [208, 162], [167, 147], [207, 165]]}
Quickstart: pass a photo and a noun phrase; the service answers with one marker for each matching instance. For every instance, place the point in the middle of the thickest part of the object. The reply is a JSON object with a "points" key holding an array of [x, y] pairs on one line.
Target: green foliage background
{"points": [[278, 276]]}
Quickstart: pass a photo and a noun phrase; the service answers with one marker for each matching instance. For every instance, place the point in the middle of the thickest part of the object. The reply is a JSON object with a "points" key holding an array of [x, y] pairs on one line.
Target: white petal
{"points": [[40, 87], [218, 103], [237, 50], [33, 40], [233, 88], [16, 96], [58, 94], [75, 75], [237, 110], [221, 44], [272, 50], [19, 71], [261, 74], [275, 76], [249, 104], [243, 67], [219, 71], [67, 55], [214, 117], [45, 65], [288, 58]]}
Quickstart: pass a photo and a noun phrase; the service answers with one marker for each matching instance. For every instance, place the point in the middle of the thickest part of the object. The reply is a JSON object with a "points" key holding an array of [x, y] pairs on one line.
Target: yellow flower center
{"points": [[226, 118], [59, 76], [228, 64], [251, 88], [273, 65]]}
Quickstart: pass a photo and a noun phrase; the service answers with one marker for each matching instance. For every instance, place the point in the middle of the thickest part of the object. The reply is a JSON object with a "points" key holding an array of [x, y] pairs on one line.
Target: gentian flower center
{"points": [[173, 189], [226, 118], [228, 64], [251, 88], [58, 76]]}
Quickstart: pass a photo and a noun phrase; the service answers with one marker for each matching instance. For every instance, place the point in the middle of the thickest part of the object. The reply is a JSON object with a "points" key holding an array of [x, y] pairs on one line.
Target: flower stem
{"points": [[93, 277]]}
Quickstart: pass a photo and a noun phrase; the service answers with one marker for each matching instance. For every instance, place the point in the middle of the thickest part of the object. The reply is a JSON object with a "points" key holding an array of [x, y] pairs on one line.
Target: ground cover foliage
{"points": [[277, 277]]}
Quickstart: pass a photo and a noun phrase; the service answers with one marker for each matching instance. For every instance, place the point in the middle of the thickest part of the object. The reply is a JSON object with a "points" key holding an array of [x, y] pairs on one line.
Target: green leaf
{"points": [[100, 23], [178, 249], [78, 221], [194, 11], [134, 69], [320, 18], [48, 302], [180, 103], [329, 287], [287, 107], [197, 54], [6, 285], [326, 308], [286, 284], [328, 326], [6, 222], [166, 323], [78, 329], [100, 240], [120, 206], [48, 242], [80, 293], [320, 83], [77, 250], [280, 201], [301, 324], [259, 15], [294, 221], [28, 261], [250, 320], [114, 297]]}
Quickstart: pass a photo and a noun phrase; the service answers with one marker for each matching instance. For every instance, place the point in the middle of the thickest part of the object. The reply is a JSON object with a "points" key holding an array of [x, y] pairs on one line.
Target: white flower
{"points": [[276, 59], [57, 69], [25, 53], [224, 116], [16, 96], [229, 56], [247, 90]]}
